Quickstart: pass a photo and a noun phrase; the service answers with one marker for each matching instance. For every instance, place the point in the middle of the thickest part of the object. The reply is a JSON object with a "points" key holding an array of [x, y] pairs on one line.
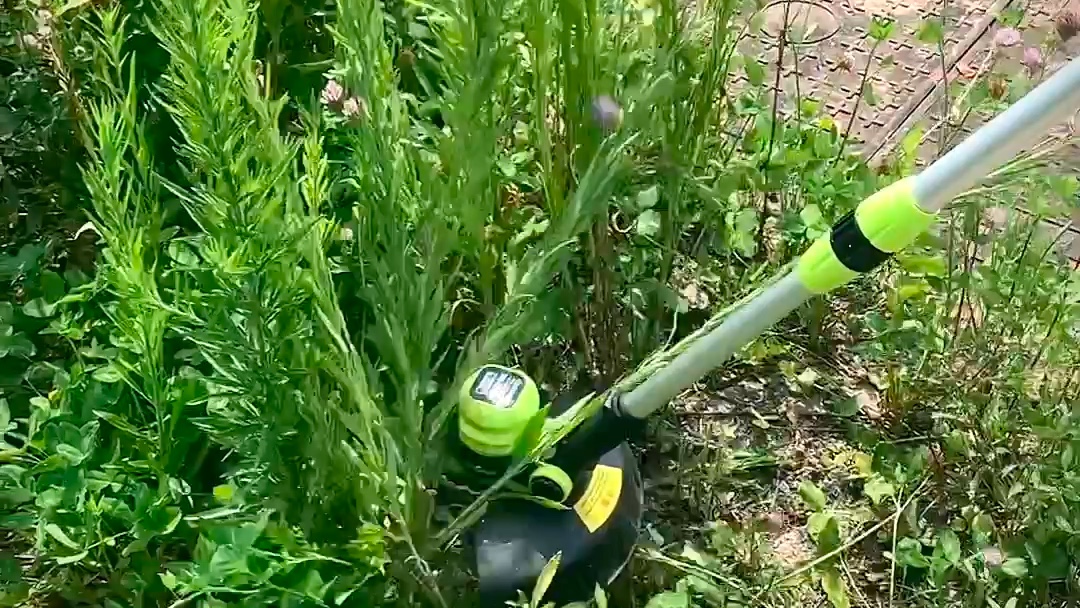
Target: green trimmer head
{"points": [[584, 496], [594, 536], [589, 508]]}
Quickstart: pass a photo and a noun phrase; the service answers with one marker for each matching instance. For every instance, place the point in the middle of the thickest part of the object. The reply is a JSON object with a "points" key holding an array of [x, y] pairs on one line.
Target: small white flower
{"points": [[1007, 36], [354, 107], [607, 112], [1033, 59], [332, 93]]}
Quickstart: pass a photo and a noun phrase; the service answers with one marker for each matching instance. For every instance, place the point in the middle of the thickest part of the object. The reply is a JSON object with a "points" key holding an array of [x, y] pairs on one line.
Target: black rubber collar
{"points": [[852, 247]]}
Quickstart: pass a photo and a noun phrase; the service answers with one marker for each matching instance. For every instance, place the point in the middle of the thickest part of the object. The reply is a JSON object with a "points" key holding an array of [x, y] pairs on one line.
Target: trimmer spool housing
{"points": [[590, 514]]}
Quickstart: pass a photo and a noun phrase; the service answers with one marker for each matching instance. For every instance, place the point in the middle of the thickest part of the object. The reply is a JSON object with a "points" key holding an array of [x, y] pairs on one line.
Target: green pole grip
{"points": [[820, 271], [889, 220]]}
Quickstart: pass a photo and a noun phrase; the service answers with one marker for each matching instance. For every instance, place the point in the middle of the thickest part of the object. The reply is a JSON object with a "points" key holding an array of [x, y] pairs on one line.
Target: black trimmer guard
{"points": [[595, 536]]}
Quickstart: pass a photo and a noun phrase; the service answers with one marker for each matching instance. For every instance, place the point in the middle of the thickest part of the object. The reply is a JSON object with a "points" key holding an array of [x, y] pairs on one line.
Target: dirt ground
{"points": [[736, 449]]}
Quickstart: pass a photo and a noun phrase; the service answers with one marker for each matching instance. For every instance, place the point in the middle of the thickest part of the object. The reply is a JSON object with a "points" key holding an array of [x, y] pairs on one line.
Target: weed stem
{"points": [[851, 543]]}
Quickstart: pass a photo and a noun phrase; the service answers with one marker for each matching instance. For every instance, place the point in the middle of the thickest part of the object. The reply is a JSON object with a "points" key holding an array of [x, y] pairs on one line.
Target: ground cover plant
{"points": [[251, 249]]}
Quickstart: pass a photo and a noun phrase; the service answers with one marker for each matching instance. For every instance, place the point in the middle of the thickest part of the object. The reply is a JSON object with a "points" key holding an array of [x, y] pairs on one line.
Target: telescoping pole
{"points": [[881, 225]]}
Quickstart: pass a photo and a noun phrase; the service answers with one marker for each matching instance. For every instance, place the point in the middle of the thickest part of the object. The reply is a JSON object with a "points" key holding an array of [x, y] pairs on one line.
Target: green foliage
{"points": [[252, 405], [972, 343]]}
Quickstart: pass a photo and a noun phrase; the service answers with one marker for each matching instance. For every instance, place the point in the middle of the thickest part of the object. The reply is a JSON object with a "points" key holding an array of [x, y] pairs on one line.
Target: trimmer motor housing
{"points": [[589, 515]]}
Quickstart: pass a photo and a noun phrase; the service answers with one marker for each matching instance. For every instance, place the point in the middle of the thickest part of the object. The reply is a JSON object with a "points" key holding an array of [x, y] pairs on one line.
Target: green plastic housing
{"points": [[891, 219], [494, 406]]}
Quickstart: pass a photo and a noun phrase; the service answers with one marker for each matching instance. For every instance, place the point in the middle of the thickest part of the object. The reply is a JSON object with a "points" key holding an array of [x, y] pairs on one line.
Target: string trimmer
{"points": [[585, 494]]}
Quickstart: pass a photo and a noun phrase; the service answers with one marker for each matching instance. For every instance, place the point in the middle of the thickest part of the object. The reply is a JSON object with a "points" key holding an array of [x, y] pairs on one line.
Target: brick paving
{"points": [[906, 79]]}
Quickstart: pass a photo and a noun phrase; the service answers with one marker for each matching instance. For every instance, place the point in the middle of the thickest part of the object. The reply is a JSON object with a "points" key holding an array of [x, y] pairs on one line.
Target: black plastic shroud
{"points": [[513, 541], [595, 437], [515, 538]]}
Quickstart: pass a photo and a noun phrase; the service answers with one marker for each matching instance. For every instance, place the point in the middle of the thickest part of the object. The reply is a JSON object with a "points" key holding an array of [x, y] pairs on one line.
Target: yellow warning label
{"points": [[598, 502]]}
